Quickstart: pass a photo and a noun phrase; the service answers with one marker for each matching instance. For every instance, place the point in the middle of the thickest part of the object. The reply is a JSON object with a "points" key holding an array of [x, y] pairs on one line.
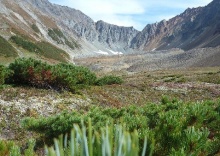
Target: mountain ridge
{"points": [[194, 28]]}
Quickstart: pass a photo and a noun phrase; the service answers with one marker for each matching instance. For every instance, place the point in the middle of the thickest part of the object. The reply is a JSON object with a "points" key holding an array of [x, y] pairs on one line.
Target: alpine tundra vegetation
{"points": [[72, 86]]}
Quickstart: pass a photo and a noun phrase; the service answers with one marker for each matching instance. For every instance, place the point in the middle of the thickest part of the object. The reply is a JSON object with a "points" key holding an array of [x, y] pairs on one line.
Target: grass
{"points": [[210, 78], [7, 50], [59, 37], [52, 52], [140, 88], [44, 49]]}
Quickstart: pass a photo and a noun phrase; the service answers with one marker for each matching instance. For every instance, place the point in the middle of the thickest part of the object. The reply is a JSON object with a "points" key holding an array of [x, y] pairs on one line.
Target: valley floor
{"points": [[191, 85]]}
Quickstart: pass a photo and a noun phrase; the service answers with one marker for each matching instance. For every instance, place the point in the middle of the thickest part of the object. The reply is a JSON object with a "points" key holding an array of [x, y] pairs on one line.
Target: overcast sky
{"points": [[137, 13]]}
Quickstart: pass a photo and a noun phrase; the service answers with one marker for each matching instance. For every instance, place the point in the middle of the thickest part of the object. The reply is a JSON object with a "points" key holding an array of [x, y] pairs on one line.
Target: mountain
{"points": [[52, 30], [194, 28]]}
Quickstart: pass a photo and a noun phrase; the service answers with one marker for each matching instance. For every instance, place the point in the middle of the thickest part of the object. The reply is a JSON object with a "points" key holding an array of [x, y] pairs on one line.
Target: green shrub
{"points": [[30, 46], [10, 148], [170, 127], [85, 141], [61, 76], [35, 28], [56, 35], [73, 77], [5, 147], [59, 37], [30, 72], [109, 80], [50, 51], [30, 150], [44, 48], [4, 74], [111, 140]]}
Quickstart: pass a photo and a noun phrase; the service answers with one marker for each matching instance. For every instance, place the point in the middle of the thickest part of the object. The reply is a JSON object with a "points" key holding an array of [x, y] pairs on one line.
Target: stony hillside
{"points": [[194, 28], [66, 28]]}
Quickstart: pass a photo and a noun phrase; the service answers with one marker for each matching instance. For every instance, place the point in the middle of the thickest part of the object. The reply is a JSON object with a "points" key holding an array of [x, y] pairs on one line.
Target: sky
{"points": [[136, 13]]}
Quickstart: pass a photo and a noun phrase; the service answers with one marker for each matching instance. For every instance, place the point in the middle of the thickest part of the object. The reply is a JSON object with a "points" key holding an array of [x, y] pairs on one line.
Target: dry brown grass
{"points": [[147, 87], [48, 22]]}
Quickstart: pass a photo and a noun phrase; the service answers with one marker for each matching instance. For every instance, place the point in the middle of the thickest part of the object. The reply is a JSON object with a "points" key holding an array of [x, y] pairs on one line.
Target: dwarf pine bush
{"points": [[30, 46], [4, 74], [172, 127], [10, 148], [39, 74], [109, 80], [61, 76]]}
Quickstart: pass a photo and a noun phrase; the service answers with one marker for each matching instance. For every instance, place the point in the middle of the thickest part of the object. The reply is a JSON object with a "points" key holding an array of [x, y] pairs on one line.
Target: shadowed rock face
{"points": [[115, 36], [194, 28]]}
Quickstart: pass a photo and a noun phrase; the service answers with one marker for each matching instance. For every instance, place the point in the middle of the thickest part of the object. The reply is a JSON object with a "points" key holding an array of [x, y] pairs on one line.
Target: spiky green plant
{"points": [[111, 140]]}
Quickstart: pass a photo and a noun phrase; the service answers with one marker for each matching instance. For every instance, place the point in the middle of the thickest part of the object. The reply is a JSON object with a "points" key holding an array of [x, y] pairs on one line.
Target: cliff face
{"points": [[114, 36], [194, 28]]}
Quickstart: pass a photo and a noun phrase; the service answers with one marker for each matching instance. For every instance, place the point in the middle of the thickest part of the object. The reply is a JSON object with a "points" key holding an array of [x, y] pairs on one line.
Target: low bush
{"points": [[59, 37], [109, 80], [50, 51], [30, 72], [35, 28], [4, 74], [11, 148], [72, 77], [171, 127], [61, 76], [5, 147], [56, 35], [43, 48], [30, 46]]}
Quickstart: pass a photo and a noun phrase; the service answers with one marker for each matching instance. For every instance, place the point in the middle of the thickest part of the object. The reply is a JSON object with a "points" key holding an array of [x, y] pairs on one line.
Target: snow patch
{"points": [[115, 52], [102, 52]]}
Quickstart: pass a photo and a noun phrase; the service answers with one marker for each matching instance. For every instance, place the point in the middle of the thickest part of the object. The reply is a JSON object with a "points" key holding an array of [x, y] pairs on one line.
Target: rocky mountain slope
{"points": [[76, 33], [194, 28]]}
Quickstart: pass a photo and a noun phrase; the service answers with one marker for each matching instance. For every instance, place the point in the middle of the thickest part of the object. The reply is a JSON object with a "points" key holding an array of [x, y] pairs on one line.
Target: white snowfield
{"points": [[102, 52], [115, 52], [109, 53], [153, 49]]}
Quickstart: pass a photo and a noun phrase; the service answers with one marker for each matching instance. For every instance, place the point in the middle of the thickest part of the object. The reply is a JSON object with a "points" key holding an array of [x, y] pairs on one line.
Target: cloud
{"points": [[112, 11], [181, 4], [135, 13], [108, 6]]}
